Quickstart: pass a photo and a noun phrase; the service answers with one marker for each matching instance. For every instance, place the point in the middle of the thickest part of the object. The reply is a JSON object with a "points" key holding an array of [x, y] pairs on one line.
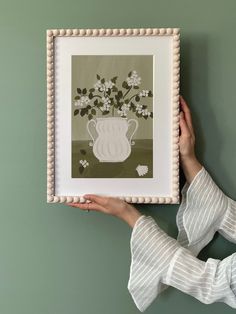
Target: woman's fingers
{"points": [[97, 202], [187, 114], [183, 126], [87, 206], [101, 200]]}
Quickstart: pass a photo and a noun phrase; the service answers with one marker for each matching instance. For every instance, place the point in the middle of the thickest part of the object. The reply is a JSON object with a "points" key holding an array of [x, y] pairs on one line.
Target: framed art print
{"points": [[113, 114]]}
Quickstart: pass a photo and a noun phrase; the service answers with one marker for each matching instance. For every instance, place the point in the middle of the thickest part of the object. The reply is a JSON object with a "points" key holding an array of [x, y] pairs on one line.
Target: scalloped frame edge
{"points": [[50, 35]]}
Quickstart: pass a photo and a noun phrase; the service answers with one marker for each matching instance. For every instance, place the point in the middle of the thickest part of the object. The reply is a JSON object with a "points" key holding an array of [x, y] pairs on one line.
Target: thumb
{"points": [[101, 200]]}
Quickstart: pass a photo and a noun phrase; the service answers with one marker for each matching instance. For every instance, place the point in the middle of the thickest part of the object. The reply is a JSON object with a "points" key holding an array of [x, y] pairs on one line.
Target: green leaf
{"points": [[76, 112], [145, 117], [114, 79], [125, 85], [105, 112], [151, 115], [114, 89], [77, 97], [98, 77], [137, 98], [144, 107], [78, 90], [90, 96], [103, 81], [83, 151], [96, 102], [88, 107], [93, 111], [92, 90], [150, 94], [81, 169], [84, 91], [136, 87], [109, 91], [83, 111], [130, 73], [126, 101], [90, 116], [120, 94], [132, 105]]}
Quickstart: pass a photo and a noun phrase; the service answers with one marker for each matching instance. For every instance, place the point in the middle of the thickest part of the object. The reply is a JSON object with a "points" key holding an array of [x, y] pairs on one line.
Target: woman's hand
{"points": [[188, 160], [110, 205]]}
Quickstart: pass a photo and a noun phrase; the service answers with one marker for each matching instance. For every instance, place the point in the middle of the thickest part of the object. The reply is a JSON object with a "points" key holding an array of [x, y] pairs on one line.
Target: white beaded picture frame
{"points": [[164, 44]]}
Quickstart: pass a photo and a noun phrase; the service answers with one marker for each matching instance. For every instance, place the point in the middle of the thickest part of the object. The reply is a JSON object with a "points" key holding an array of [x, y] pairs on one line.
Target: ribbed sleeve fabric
{"points": [[158, 260], [227, 226], [201, 212], [210, 281], [152, 251]]}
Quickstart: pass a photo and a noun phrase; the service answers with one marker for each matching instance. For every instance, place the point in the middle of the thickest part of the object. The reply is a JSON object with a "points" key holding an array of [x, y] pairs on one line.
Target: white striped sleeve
{"points": [[158, 261], [210, 281], [228, 224], [151, 253], [203, 208]]}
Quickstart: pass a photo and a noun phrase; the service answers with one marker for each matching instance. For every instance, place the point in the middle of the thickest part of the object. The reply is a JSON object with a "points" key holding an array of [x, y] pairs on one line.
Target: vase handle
{"points": [[92, 121], [135, 129]]}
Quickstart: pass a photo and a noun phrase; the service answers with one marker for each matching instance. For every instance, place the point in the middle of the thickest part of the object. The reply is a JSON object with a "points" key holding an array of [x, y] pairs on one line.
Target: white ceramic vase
{"points": [[111, 143]]}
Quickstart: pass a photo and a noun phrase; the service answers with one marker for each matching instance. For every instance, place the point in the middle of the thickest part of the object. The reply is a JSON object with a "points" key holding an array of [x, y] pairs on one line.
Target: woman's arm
{"points": [[158, 261], [110, 205], [204, 208], [188, 160]]}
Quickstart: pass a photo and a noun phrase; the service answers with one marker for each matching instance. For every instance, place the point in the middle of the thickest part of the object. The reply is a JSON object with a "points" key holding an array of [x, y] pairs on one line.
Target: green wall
{"points": [[60, 260]]}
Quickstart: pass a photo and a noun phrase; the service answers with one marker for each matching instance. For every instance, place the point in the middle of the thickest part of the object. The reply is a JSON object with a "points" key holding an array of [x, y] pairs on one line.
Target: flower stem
{"points": [[133, 96], [127, 92], [96, 96]]}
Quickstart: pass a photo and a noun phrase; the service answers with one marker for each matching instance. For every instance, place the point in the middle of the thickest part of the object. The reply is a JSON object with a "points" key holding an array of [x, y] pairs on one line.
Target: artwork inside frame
{"points": [[113, 114]]}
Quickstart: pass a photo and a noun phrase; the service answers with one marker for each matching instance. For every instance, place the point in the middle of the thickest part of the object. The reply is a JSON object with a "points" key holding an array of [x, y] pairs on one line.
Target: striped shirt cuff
{"points": [[151, 252], [228, 224], [210, 281], [201, 210]]}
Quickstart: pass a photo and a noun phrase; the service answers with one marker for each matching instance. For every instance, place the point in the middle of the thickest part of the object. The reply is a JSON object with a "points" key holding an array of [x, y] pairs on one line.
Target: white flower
{"points": [[84, 163], [106, 104], [122, 113], [108, 84], [144, 112], [98, 84], [84, 100], [142, 170], [139, 108], [106, 100], [123, 110], [144, 93], [103, 87], [105, 108], [134, 79]]}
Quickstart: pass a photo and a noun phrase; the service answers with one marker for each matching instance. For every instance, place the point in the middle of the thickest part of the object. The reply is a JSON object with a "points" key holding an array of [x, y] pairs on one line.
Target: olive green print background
{"points": [[86, 71]]}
